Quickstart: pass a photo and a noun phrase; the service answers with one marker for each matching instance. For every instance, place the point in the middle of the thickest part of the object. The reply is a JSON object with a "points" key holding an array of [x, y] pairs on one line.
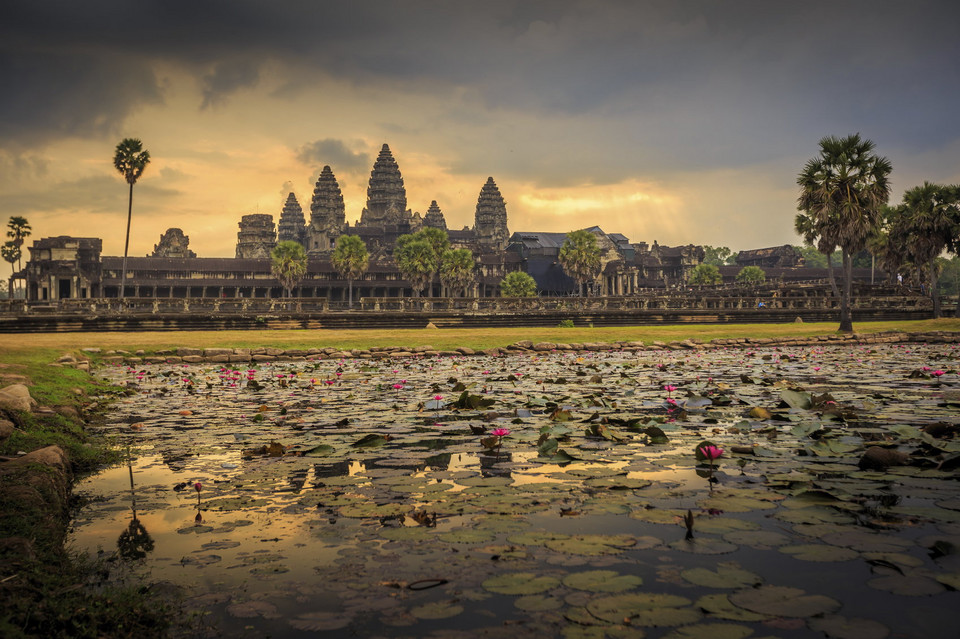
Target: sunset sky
{"points": [[681, 122]]}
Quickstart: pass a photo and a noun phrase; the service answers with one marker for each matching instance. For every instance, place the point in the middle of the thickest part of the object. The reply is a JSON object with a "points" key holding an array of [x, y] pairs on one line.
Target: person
{"points": [[899, 279]]}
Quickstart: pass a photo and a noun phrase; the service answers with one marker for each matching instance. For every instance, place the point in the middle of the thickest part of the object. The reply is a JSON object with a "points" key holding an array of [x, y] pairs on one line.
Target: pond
{"points": [[559, 494]]}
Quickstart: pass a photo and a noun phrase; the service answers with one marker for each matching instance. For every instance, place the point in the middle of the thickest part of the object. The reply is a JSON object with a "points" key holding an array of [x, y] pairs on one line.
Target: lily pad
{"points": [[617, 608], [784, 601], [725, 576], [839, 627], [521, 583], [601, 581]]}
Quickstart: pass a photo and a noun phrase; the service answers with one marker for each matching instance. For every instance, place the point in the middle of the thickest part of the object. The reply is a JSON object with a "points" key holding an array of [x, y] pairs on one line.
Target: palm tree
{"points": [[439, 242], [822, 239], [580, 257], [416, 260], [842, 191], [130, 159], [11, 253], [288, 263], [350, 259], [456, 269], [19, 229], [924, 226]]}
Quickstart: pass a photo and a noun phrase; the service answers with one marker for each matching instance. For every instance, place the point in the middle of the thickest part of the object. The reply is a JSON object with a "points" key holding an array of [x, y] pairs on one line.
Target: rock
{"points": [[90, 350], [492, 352], [67, 359], [184, 351], [544, 346], [798, 320], [6, 429], [423, 349], [67, 411], [464, 350], [217, 352], [877, 458], [17, 397], [524, 344], [430, 325], [448, 353], [192, 359], [52, 456]]}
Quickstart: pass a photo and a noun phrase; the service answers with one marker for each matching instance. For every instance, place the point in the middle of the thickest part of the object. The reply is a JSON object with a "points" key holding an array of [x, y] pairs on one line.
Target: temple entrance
{"points": [[63, 289]]}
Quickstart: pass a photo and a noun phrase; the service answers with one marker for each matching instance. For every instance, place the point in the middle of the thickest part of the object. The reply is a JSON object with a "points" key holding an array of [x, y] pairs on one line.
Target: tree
{"points": [[19, 229], [580, 257], [842, 191], [288, 263], [921, 228], [350, 259], [437, 241], [716, 255], [518, 284], [704, 275], [751, 275], [821, 239], [416, 260], [456, 269], [130, 159], [11, 253]]}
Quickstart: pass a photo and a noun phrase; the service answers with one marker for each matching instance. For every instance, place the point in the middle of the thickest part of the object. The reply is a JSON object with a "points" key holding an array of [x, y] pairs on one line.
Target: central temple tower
{"points": [[386, 196]]}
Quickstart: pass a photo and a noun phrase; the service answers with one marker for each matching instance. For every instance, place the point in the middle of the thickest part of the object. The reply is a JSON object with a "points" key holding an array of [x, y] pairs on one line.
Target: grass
{"points": [[49, 346]]}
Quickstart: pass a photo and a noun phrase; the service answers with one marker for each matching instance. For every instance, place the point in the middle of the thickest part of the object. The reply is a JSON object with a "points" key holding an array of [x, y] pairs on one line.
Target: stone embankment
{"points": [[186, 355]]}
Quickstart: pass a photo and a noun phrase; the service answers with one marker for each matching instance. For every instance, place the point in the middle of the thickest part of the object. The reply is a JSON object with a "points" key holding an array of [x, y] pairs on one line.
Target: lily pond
{"points": [[720, 493]]}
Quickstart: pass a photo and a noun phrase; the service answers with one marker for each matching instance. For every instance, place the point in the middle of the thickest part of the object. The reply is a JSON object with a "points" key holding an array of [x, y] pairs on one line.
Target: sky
{"points": [[675, 121]]}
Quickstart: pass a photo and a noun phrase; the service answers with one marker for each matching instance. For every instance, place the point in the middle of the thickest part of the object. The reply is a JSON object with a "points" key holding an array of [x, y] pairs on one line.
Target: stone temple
{"points": [[67, 267]]}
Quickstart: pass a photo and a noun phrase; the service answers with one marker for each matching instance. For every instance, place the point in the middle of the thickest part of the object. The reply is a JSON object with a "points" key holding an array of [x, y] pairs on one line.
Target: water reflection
{"points": [[134, 542]]}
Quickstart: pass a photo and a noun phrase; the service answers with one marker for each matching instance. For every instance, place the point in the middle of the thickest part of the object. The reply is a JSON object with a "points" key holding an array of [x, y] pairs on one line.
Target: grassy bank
{"points": [[51, 345]]}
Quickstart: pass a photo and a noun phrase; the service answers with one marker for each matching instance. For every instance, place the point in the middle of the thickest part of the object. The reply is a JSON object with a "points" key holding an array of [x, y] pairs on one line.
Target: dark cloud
{"points": [[704, 83], [336, 154], [226, 78], [96, 195]]}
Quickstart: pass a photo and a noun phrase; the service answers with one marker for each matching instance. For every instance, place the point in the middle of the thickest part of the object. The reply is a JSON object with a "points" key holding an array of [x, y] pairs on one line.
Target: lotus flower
{"points": [[711, 452], [500, 432]]}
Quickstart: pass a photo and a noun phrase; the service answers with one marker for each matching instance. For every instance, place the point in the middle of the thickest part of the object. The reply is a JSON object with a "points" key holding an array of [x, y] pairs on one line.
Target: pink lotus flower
{"points": [[500, 432], [669, 388], [397, 386], [937, 373], [438, 397], [197, 486], [711, 452]]}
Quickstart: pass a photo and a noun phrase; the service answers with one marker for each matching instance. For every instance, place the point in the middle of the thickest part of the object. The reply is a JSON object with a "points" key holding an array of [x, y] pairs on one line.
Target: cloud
{"points": [[335, 153], [228, 77]]}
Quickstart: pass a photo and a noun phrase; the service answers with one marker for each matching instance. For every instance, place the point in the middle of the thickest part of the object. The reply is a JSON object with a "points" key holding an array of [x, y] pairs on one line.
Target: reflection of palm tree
{"points": [[134, 542]]}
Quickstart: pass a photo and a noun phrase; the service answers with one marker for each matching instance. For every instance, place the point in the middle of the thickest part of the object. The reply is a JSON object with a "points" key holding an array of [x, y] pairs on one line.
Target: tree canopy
{"points": [[518, 284], [288, 263], [751, 275], [457, 269], [704, 275], [842, 191], [129, 159], [350, 259], [580, 257]]}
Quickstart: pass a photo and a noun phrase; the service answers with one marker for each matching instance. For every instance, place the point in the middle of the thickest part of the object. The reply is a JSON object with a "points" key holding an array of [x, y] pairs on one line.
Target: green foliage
{"points": [[704, 275], [751, 275], [949, 280], [457, 268], [717, 255], [566, 323], [418, 256], [580, 257], [350, 259], [842, 192], [288, 263], [518, 284]]}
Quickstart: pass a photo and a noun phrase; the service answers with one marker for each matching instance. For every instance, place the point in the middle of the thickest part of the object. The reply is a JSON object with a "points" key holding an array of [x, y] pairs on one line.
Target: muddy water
{"points": [[358, 499]]}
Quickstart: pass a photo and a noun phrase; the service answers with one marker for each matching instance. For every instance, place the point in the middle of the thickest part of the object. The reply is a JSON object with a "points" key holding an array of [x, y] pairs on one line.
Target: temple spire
{"points": [[386, 196], [490, 220], [327, 213]]}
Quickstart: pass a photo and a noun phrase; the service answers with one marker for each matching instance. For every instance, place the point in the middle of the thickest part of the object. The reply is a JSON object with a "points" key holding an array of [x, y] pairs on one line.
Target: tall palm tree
{"points": [[842, 191], [19, 229], [925, 225], [350, 259], [580, 257], [821, 239], [11, 253], [416, 261], [456, 269], [130, 159], [288, 263]]}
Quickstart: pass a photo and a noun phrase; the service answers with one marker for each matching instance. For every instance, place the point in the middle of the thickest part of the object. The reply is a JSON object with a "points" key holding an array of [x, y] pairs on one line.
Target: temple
{"points": [[68, 267]]}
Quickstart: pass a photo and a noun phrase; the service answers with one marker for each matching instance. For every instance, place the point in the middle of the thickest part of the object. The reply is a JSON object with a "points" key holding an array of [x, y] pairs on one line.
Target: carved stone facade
{"points": [[434, 217], [173, 243], [386, 195], [257, 236], [292, 227], [327, 214], [490, 220], [64, 267]]}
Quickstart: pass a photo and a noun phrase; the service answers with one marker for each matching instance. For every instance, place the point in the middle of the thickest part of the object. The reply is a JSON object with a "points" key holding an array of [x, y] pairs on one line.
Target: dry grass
{"points": [[16, 347]]}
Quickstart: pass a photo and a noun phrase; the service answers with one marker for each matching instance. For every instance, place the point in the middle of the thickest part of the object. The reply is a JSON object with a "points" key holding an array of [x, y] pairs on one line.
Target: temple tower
{"points": [[386, 197], [256, 237], [434, 217], [173, 243], [292, 226], [490, 221], [327, 214]]}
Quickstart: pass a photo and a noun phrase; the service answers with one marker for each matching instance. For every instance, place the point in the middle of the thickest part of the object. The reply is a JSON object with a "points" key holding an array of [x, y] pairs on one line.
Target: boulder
{"points": [[6, 429], [17, 397]]}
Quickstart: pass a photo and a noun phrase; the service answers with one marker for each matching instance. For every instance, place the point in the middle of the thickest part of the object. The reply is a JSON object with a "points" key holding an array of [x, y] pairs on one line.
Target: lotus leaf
{"points": [[601, 581], [521, 583], [783, 601]]}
